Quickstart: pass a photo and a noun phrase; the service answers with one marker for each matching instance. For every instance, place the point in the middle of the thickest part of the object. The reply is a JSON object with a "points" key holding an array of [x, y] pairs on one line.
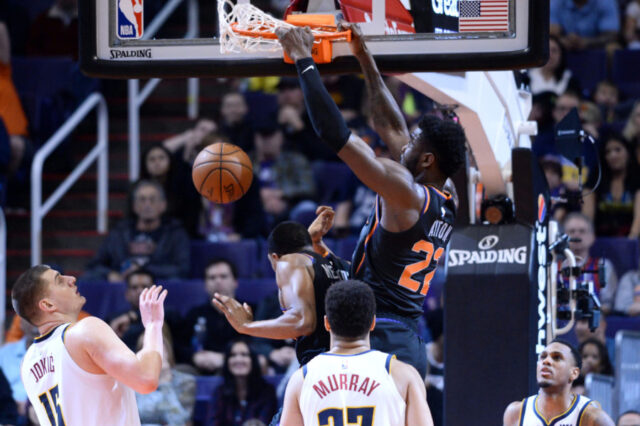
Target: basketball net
{"points": [[245, 28]]}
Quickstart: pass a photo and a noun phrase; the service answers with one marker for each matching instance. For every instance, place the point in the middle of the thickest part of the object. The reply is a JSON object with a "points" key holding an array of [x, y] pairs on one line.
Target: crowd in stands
{"points": [[293, 174]]}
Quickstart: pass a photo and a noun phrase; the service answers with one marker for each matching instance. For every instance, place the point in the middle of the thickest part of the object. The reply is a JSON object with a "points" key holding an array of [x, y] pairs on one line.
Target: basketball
{"points": [[222, 172]]}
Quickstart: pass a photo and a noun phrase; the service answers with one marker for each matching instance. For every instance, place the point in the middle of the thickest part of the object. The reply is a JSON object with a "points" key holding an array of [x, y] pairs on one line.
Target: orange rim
{"points": [[269, 34]]}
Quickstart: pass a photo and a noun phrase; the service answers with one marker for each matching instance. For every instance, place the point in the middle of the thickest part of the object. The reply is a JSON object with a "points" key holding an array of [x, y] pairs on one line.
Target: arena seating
{"points": [[625, 72], [622, 252], [589, 67]]}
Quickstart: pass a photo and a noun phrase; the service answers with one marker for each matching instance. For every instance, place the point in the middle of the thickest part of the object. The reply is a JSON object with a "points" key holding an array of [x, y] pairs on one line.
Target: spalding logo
{"points": [[488, 242]]}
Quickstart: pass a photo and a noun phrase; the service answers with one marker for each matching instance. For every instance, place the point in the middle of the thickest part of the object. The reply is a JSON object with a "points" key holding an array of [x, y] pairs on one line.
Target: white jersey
{"points": [[351, 389], [530, 416], [62, 393]]}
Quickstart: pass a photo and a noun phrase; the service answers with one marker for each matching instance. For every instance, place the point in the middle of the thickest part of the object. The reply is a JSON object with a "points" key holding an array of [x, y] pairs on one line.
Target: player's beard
{"points": [[544, 385]]}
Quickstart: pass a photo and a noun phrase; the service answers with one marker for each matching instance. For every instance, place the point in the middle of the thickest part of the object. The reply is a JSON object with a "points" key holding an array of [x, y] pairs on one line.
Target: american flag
{"points": [[483, 15]]}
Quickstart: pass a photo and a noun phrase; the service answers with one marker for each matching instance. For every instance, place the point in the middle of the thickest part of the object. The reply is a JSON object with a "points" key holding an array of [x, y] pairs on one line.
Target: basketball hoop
{"points": [[245, 28]]}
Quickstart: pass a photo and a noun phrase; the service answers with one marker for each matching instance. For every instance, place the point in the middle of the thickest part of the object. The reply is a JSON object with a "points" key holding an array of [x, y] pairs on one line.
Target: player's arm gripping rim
{"points": [[294, 275], [388, 121], [389, 179], [98, 345]]}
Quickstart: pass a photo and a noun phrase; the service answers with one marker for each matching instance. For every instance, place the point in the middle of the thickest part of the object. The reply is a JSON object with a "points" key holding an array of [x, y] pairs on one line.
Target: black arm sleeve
{"points": [[323, 112]]}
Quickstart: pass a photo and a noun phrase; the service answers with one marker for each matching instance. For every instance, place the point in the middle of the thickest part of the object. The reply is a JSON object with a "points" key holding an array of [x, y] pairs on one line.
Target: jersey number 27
{"points": [[413, 268], [362, 416]]}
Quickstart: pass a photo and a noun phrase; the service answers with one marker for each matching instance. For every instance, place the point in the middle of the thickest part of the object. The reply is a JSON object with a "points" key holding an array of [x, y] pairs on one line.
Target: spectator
{"points": [[595, 358], [629, 418], [284, 178], [8, 410], [631, 29], [172, 402], [11, 112], [148, 239], [544, 143], [554, 76], [183, 201], [295, 123], [244, 395], [187, 144], [55, 32], [614, 207], [579, 227], [607, 97], [584, 24], [205, 348], [234, 120], [11, 355], [631, 131], [128, 324], [628, 294], [562, 198]]}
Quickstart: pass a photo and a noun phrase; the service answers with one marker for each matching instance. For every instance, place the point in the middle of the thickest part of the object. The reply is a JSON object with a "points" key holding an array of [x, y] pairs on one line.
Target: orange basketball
{"points": [[222, 172]]}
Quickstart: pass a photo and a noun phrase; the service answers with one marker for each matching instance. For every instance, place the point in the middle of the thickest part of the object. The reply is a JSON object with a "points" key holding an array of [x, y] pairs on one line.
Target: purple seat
{"points": [[332, 181], [253, 290], [626, 64], [622, 252], [242, 253], [589, 67]]}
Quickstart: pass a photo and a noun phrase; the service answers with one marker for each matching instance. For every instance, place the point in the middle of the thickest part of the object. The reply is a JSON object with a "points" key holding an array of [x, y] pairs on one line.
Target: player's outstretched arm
{"points": [[411, 387], [97, 349], [511, 415], [386, 177], [291, 414], [594, 416], [296, 289], [388, 120]]}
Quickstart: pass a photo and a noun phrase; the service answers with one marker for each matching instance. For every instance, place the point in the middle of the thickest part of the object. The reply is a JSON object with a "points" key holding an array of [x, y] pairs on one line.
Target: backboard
{"points": [[117, 38]]}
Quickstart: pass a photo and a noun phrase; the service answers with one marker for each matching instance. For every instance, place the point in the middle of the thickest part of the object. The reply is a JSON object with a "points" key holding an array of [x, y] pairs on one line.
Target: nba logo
{"points": [[130, 20]]}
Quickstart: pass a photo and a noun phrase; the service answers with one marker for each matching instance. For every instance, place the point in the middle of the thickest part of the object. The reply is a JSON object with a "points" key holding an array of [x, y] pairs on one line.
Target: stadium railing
{"points": [[137, 97], [626, 394], [99, 153], [600, 388]]}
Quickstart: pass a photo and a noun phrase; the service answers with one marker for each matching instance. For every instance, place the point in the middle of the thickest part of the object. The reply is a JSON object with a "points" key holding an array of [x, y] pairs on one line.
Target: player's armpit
{"points": [[291, 414], [512, 414], [412, 389], [390, 180], [96, 348]]}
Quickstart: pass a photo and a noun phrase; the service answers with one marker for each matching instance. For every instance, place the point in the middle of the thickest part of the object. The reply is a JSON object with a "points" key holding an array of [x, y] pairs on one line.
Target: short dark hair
{"points": [[577, 358], [216, 260], [625, 413], [446, 139], [27, 290], [350, 306], [288, 237], [140, 271]]}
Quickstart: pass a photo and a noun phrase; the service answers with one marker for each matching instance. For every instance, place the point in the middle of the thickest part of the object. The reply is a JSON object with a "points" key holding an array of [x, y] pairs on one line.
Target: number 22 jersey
{"points": [[400, 265], [62, 393]]}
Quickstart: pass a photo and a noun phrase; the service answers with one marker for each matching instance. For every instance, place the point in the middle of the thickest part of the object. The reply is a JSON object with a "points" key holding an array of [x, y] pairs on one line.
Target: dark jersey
{"points": [[327, 270], [399, 265]]}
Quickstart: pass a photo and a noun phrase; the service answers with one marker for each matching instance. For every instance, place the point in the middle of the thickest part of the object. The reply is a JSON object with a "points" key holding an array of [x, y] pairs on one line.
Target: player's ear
{"points": [[45, 305], [575, 372], [373, 323], [427, 159], [326, 324]]}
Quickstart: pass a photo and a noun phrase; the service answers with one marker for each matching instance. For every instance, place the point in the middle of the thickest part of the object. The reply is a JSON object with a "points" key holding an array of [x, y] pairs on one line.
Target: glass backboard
{"points": [[119, 37]]}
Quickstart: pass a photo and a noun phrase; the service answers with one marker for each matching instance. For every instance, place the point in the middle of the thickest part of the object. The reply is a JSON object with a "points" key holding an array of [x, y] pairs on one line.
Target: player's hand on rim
{"points": [[152, 305], [297, 42], [356, 44], [238, 315]]}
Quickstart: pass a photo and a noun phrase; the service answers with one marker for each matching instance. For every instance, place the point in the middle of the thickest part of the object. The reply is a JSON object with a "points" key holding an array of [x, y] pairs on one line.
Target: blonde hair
{"points": [[630, 131]]}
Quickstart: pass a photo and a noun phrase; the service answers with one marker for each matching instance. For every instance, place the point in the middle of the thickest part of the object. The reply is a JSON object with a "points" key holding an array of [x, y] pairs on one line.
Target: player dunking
{"points": [[412, 221], [558, 366], [80, 372], [352, 384]]}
